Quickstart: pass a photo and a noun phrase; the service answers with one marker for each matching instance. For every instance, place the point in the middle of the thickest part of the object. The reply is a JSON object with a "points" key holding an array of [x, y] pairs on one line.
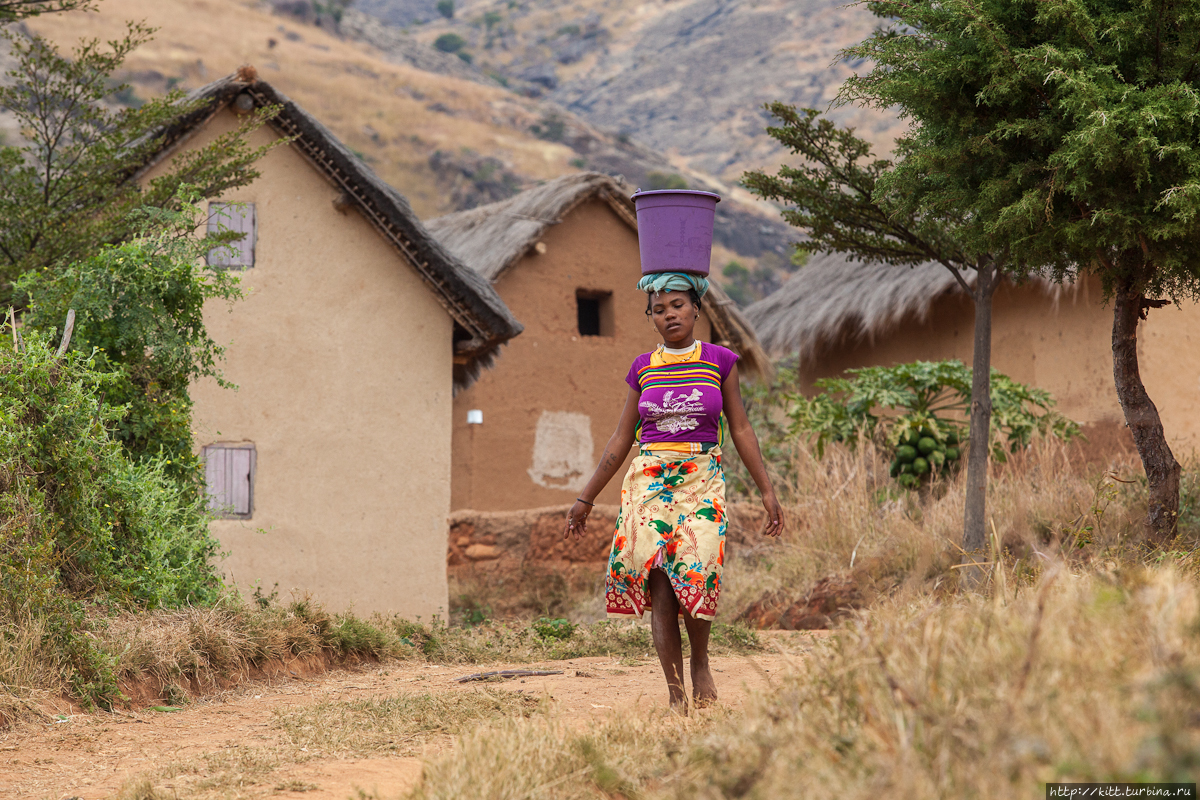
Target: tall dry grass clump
{"points": [[843, 510]]}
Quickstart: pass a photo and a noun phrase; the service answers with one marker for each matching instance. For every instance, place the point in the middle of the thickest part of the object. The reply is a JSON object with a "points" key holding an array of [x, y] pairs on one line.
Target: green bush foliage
{"points": [[81, 521], [139, 313], [80, 518], [919, 410]]}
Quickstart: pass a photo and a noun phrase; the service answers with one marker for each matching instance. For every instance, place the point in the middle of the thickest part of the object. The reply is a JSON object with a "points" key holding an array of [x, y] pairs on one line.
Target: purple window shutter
{"points": [[229, 476], [238, 218]]}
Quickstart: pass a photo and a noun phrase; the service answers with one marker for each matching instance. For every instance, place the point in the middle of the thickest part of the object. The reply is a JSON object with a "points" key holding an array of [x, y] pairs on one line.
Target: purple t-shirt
{"points": [[681, 402]]}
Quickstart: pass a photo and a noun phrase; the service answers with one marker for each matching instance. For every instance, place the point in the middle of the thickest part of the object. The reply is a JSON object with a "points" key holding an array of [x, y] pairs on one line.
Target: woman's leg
{"points": [[664, 625], [704, 688]]}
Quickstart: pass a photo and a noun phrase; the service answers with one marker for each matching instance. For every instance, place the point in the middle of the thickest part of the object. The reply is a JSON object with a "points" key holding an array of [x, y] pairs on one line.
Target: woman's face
{"points": [[674, 316]]}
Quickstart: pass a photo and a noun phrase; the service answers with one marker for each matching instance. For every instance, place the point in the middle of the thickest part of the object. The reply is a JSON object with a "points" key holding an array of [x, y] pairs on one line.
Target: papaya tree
{"points": [[1067, 134], [837, 197]]}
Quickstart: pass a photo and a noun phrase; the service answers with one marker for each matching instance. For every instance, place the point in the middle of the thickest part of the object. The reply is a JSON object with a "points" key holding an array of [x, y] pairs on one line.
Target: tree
{"points": [[139, 310], [1069, 134], [11, 10], [838, 197], [69, 189]]}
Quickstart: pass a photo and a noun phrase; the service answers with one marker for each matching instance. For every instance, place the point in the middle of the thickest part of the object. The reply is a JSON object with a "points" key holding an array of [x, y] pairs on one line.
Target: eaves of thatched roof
{"points": [[832, 300], [493, 238], [482, 322]]}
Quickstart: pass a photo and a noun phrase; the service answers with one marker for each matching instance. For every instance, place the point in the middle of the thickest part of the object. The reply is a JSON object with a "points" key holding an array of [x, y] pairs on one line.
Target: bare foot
{"points": [[704, 688]]}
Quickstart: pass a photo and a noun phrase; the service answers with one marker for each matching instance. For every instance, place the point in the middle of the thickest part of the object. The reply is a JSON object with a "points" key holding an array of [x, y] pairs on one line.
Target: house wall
{"points": [[1060, 343], [342, 358], [554, 397]]}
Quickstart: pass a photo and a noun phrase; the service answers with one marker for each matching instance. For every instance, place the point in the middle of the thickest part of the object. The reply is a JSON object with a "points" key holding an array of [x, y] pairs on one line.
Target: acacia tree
{"points": [[836, 196], [1068, 133]]}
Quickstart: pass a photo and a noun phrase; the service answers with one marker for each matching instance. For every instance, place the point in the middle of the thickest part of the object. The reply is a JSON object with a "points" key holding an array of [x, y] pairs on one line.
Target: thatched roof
{"points": [[481, 320], [493, 238], [831, 300]]}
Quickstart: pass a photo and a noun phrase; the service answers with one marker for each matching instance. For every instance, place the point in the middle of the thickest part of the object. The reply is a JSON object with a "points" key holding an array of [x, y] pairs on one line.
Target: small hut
{"points": [[564, 257], [835, 314], [329, 465]]}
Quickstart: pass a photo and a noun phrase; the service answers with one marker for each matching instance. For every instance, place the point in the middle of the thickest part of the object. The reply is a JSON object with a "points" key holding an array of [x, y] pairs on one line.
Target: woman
{"points": [[669, 544]]}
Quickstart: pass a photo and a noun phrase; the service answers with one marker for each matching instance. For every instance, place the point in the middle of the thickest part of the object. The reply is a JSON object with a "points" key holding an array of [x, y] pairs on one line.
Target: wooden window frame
{"points": [[220, 257], [228, 512]]}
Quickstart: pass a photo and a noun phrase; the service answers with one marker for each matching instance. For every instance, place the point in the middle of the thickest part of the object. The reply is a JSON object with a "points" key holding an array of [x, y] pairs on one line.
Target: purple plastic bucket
{"points": [[675, 230]]}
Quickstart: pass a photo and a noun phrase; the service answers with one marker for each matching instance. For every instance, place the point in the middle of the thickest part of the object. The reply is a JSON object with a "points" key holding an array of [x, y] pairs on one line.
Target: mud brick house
{"points": [[838, 314], [331, 462], [564, 257]]}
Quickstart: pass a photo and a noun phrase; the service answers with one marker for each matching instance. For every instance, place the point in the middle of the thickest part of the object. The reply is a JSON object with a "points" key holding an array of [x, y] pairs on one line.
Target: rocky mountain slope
{"points": [[684, 77]]}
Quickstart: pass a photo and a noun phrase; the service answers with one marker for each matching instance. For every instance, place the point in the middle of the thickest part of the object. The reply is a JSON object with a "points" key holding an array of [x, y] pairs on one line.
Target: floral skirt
{"points": [[673, 518]]}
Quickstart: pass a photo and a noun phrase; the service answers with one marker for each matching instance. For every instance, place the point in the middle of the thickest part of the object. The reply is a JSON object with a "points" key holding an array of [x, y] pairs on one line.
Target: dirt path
{"points": [[231, 745]]}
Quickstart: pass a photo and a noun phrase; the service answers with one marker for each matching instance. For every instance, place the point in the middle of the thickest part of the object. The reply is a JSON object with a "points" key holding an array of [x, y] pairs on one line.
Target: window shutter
{"points": [[229, 476], [238, 218]]}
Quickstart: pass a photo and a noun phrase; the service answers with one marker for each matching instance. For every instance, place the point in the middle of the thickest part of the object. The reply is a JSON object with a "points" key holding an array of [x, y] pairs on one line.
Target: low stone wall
{"points": [[500, 542]]}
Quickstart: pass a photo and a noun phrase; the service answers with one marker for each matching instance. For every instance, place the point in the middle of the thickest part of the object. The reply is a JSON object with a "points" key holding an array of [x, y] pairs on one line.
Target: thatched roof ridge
{"points": [[494, 237], [482, 321], [832, 299]]}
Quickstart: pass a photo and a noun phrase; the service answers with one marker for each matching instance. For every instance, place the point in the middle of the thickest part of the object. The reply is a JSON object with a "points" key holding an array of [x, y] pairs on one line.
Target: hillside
{"points": [[447, 141], [685, 77]]}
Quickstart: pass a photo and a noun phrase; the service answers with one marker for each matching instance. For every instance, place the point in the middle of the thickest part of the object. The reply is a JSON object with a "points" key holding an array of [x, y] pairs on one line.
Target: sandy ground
{"points": [[90, 756]]}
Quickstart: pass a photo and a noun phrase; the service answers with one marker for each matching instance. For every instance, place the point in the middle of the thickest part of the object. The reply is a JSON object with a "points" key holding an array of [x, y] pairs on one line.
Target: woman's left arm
{"points": [[747, 447]]}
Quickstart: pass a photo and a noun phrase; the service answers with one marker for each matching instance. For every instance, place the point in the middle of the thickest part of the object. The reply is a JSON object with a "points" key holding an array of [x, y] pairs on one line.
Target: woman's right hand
{"points": [[577, 520]]}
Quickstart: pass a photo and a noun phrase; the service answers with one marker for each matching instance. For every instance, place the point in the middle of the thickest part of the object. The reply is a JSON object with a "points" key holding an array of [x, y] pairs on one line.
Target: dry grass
{"points": [[399, 725], [843, 509], [1078, 661], [396, 725], [1075, 677]]}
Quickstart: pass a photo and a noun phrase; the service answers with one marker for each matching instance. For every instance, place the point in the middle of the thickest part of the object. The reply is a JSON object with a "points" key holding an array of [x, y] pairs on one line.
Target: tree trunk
{"points": [[1141, 415], [974, 522]]}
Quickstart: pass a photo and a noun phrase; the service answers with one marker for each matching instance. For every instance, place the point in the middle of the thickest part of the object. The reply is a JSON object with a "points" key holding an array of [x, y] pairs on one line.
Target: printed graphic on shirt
{"points": [[675, 414]]}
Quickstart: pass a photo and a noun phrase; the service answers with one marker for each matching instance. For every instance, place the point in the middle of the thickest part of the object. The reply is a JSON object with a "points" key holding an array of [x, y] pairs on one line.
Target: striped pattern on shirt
{"points": [[684, 373]]}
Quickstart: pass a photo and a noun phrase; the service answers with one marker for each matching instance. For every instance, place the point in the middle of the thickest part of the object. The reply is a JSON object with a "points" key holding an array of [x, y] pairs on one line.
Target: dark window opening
{"points": [[594, 313]]}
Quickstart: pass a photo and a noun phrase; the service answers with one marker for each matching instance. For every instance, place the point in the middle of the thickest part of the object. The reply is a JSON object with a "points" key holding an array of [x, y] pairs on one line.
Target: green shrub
{"points": [[81, 521], [446, 8], [450, 43], [553, 628]]}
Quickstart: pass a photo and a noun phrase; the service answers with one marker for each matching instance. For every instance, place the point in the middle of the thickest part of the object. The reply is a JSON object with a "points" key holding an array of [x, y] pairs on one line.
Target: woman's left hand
{"points": [[774, 516]]}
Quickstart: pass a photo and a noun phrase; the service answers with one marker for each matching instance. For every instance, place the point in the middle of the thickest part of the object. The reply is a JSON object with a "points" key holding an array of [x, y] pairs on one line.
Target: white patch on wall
{"points": [[562, 451]]}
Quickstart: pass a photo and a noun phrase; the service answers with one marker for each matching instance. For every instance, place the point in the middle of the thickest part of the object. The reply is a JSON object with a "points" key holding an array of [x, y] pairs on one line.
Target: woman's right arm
{"points": [[614, 456]]}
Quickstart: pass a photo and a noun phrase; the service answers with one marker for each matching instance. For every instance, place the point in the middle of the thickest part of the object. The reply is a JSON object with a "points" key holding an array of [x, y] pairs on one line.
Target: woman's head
{"points": [[674, 314], [673, 303]]}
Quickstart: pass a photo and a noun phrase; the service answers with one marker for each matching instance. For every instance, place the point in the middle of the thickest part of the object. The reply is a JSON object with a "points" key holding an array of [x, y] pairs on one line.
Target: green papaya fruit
{"points": [[937, 458], [911, 438], [927, 445], [951, 438], [906, 469], [920, 466], [910, 481], [952, 454], [905, 453]]}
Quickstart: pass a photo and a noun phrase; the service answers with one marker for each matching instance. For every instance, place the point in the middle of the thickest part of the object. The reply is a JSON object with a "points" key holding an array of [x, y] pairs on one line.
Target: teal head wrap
{"points": [[673, 282]]}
